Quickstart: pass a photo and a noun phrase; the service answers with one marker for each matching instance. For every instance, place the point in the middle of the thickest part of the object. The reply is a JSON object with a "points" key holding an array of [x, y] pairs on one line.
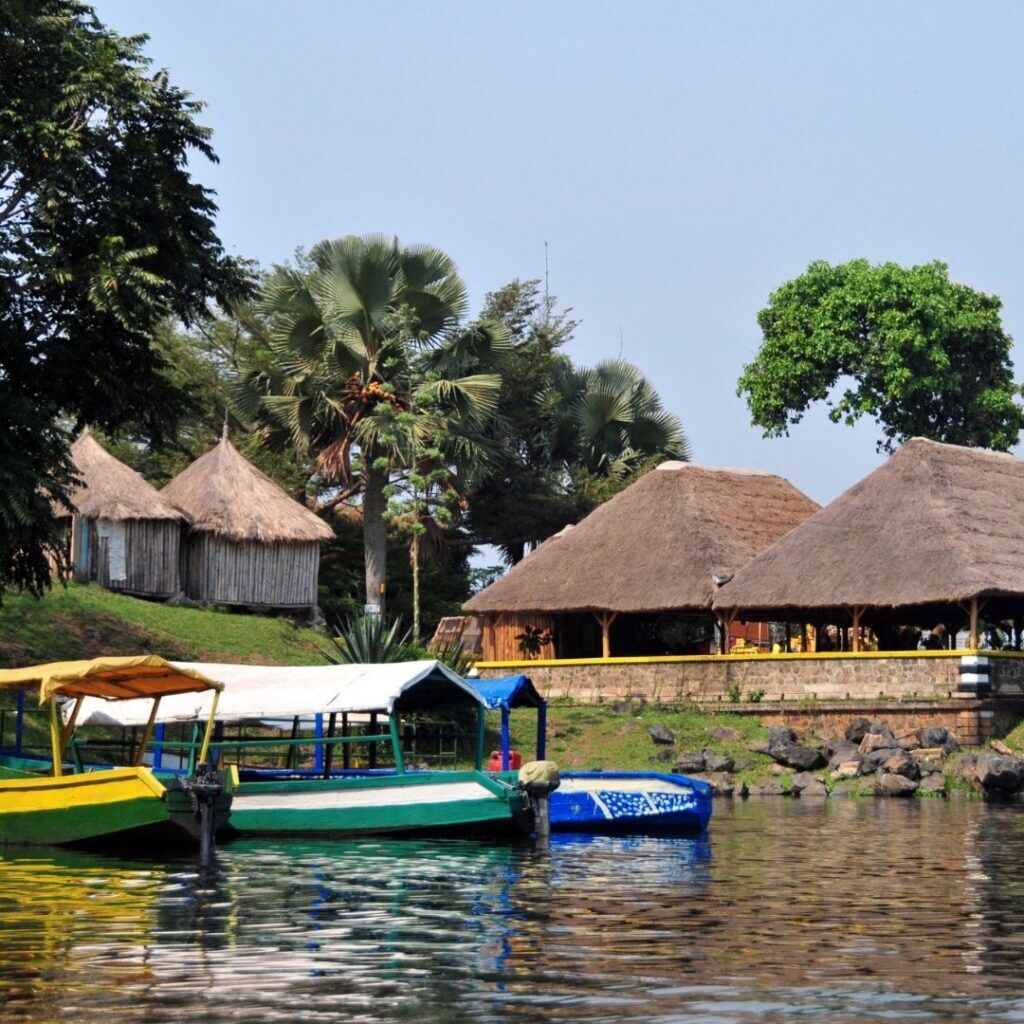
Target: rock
{"points": [[927, 754], [758, 748], [718, 762], [796, 755], [665, 755], [743, 764], [932, 784], [856, 730], [902, 764], [966, 769], [806, 785], [778, 769], [1001, 748], [743, 791], [999, 774], [845, 788], [874, 741], [661, 734], [950, 746], [933, 735], [723, 732], [908, 741], [887, 784], [780, 734], [768, 788], [873, 761], [842, 753], [881, 729], [927, 768], [846, 770], [690, 764], [721, 784], [622, 708]]}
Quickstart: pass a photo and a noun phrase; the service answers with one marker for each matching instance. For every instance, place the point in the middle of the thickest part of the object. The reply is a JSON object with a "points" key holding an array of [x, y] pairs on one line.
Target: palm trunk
{"points": [[375, 537], [414, 555]]}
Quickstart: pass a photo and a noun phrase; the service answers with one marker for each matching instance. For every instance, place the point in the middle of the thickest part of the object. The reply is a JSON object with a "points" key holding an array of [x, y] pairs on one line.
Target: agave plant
{"points": [[370, 640]]}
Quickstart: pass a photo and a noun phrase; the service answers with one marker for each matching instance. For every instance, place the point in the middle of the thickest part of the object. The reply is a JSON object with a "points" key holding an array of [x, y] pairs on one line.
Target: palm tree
{"points": [[369, 367]]}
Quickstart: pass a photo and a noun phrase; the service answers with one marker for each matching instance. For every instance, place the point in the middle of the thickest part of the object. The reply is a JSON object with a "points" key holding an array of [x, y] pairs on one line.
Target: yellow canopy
{"points": [[146, 675]]}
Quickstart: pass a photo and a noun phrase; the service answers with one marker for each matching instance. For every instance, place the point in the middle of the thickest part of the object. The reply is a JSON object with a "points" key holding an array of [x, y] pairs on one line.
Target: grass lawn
{"points": [[84, 621]]}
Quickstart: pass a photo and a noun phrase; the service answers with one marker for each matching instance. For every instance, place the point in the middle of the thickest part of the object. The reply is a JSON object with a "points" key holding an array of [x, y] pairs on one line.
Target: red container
{"points": [[515, 760]]}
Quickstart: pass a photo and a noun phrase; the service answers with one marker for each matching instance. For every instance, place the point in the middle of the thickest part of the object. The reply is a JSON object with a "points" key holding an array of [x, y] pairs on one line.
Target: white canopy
{"points": [[262, 692]]}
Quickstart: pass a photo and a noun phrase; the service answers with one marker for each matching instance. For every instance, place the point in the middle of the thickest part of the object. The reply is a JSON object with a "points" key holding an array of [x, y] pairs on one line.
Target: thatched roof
{"points": [[656, 546], [227, 495], [110, 490], [935, 525]]}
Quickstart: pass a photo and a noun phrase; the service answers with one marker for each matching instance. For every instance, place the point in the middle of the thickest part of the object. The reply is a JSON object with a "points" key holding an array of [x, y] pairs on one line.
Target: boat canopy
{"points": [[508, 692], [252, 692], [105, 679]]}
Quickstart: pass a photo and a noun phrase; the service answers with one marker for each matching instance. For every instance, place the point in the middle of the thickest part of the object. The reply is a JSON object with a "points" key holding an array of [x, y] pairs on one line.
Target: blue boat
{"points": [[600, 801]]}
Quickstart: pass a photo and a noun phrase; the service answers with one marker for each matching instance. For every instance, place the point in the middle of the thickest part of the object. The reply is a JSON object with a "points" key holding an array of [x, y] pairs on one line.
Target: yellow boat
{"points": [[125, 805]]}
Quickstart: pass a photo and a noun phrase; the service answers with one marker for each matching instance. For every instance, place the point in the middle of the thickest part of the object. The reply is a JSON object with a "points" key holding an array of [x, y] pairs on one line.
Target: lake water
{"points": [[787, 911]]}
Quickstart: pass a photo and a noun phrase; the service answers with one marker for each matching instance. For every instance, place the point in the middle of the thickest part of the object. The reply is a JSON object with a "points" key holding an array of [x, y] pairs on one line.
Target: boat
{"points": [[324, 801], [597, 801], [56, 803]]}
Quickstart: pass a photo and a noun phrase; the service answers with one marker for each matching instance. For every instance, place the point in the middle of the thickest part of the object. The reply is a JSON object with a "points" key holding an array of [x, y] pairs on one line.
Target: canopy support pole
{"points": [[146, 733], [481, 736], [55, 739], [346, 756], [973, 640], [332, 721], [19, 723], [606, 619], [204, 750], [318, 751], [542, 730], [396, 743], [855, 644], [505, 740], [69, 726], [158, 750]]}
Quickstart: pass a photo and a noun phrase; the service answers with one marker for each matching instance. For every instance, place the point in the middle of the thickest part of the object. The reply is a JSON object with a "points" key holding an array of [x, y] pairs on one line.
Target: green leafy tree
{"points": [[918, 353], [103, 235], [369, 366]]}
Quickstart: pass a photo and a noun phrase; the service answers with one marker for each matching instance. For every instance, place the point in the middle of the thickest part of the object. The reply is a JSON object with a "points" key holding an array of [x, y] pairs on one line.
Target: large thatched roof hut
{"points": [[250, 543], [932, 533], [660, 548], [124, 533]]}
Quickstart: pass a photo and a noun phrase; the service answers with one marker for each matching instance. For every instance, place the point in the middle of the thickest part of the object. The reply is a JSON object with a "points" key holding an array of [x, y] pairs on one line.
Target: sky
{"points": [[680, 160]]}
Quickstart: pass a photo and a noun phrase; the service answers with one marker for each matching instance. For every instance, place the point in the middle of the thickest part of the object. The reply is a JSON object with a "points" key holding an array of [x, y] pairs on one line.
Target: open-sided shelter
{"points": [[934, 535], [250, 543], [123, 533], [639, 574]]}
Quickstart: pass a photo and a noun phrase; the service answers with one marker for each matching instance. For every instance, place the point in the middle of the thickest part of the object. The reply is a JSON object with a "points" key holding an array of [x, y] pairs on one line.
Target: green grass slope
{"points": [[83, 621]]}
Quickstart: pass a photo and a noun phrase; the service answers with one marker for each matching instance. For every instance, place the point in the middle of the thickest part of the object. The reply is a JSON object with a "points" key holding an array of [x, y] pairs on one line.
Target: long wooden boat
{"points": [[287, 802], [611, 801], [128, 805]]}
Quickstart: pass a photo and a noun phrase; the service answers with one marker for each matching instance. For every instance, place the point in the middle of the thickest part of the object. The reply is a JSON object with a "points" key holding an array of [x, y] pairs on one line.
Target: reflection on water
{"points": [[847, 911]]}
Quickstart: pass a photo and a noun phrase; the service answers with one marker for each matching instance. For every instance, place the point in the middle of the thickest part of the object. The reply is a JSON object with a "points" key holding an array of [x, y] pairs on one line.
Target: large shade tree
{"points": [[372, 373], [104, 233], [906, 346]]}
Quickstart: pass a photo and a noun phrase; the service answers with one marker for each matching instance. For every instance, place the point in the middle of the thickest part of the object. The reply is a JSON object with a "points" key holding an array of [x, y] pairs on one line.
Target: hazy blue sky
{"points": [[681, 160]]}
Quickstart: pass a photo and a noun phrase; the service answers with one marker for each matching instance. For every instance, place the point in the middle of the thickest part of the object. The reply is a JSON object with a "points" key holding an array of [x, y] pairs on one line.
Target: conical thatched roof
{"points": [[110, 490], [937, 524], [654, 547], [227, 495]]}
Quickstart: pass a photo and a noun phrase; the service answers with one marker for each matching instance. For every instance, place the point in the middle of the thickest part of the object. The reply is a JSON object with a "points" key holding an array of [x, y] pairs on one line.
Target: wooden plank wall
{"points": [[152, 558], [280, 575], [500, 630]]}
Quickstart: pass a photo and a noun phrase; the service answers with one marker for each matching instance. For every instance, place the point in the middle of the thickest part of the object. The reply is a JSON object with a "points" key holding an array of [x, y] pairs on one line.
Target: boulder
{"points": [[950, 746], [887, 784], [933, 735], [875, 741], [806, 785], [758, 748], [927, 754], [665, 755], [689, 764], [622, 708], [932, 783], [926, 768], [908, 741], [718, 762], [778, 769], [902, 764], [767, 788], [743, 764], [723, 732], [846, 770], [796, 755], [842, 753], [661, 734], [870, 763], [779, 734], [999, 774], [721, 783], [856, 730], [1001, 748], [881, 729]]}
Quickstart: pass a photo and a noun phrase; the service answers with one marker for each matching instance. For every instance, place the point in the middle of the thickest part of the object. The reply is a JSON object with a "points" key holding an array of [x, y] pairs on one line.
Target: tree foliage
{"points": [[103, 235], [918, 353]]}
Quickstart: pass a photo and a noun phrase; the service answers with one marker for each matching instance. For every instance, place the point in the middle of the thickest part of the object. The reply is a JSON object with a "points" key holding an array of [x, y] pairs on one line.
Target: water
{"points": [[789, 911]]}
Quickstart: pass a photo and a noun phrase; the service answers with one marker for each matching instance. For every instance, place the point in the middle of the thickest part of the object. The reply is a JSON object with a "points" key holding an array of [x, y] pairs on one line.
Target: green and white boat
{"points": [[371, 702]]}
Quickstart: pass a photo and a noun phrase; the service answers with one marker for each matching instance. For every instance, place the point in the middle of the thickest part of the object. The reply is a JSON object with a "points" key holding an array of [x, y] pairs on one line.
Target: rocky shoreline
{"points": [[869, 759]]}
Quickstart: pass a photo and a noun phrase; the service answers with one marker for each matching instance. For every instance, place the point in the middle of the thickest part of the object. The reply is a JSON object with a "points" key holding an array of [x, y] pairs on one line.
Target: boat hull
{"points": [[444, 803], [118, 806]]}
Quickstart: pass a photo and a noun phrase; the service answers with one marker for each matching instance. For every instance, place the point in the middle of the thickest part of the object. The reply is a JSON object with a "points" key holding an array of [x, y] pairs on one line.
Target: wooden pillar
{"points": [[606, 619], [857, 612], [803, 637], [973, 640]]}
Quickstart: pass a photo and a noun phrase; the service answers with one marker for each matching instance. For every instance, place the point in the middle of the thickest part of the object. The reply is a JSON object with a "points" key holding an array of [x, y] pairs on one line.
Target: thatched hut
{"points": [[123, 533], [639, 574], [250, 543], [934, 535]]}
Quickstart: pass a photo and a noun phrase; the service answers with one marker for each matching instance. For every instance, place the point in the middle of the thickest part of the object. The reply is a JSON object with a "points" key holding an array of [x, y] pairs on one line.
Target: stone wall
{"points": [[780, 678]]}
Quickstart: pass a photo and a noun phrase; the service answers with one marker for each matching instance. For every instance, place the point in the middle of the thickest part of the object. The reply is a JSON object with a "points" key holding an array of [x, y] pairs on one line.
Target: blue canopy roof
{"points": [[508, 692]]}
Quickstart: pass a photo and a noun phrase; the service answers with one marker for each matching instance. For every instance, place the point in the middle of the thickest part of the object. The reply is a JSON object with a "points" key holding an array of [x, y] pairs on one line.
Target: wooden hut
{"points": [[249, 543], [934, 535], [642, 565], [123, 534]]}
